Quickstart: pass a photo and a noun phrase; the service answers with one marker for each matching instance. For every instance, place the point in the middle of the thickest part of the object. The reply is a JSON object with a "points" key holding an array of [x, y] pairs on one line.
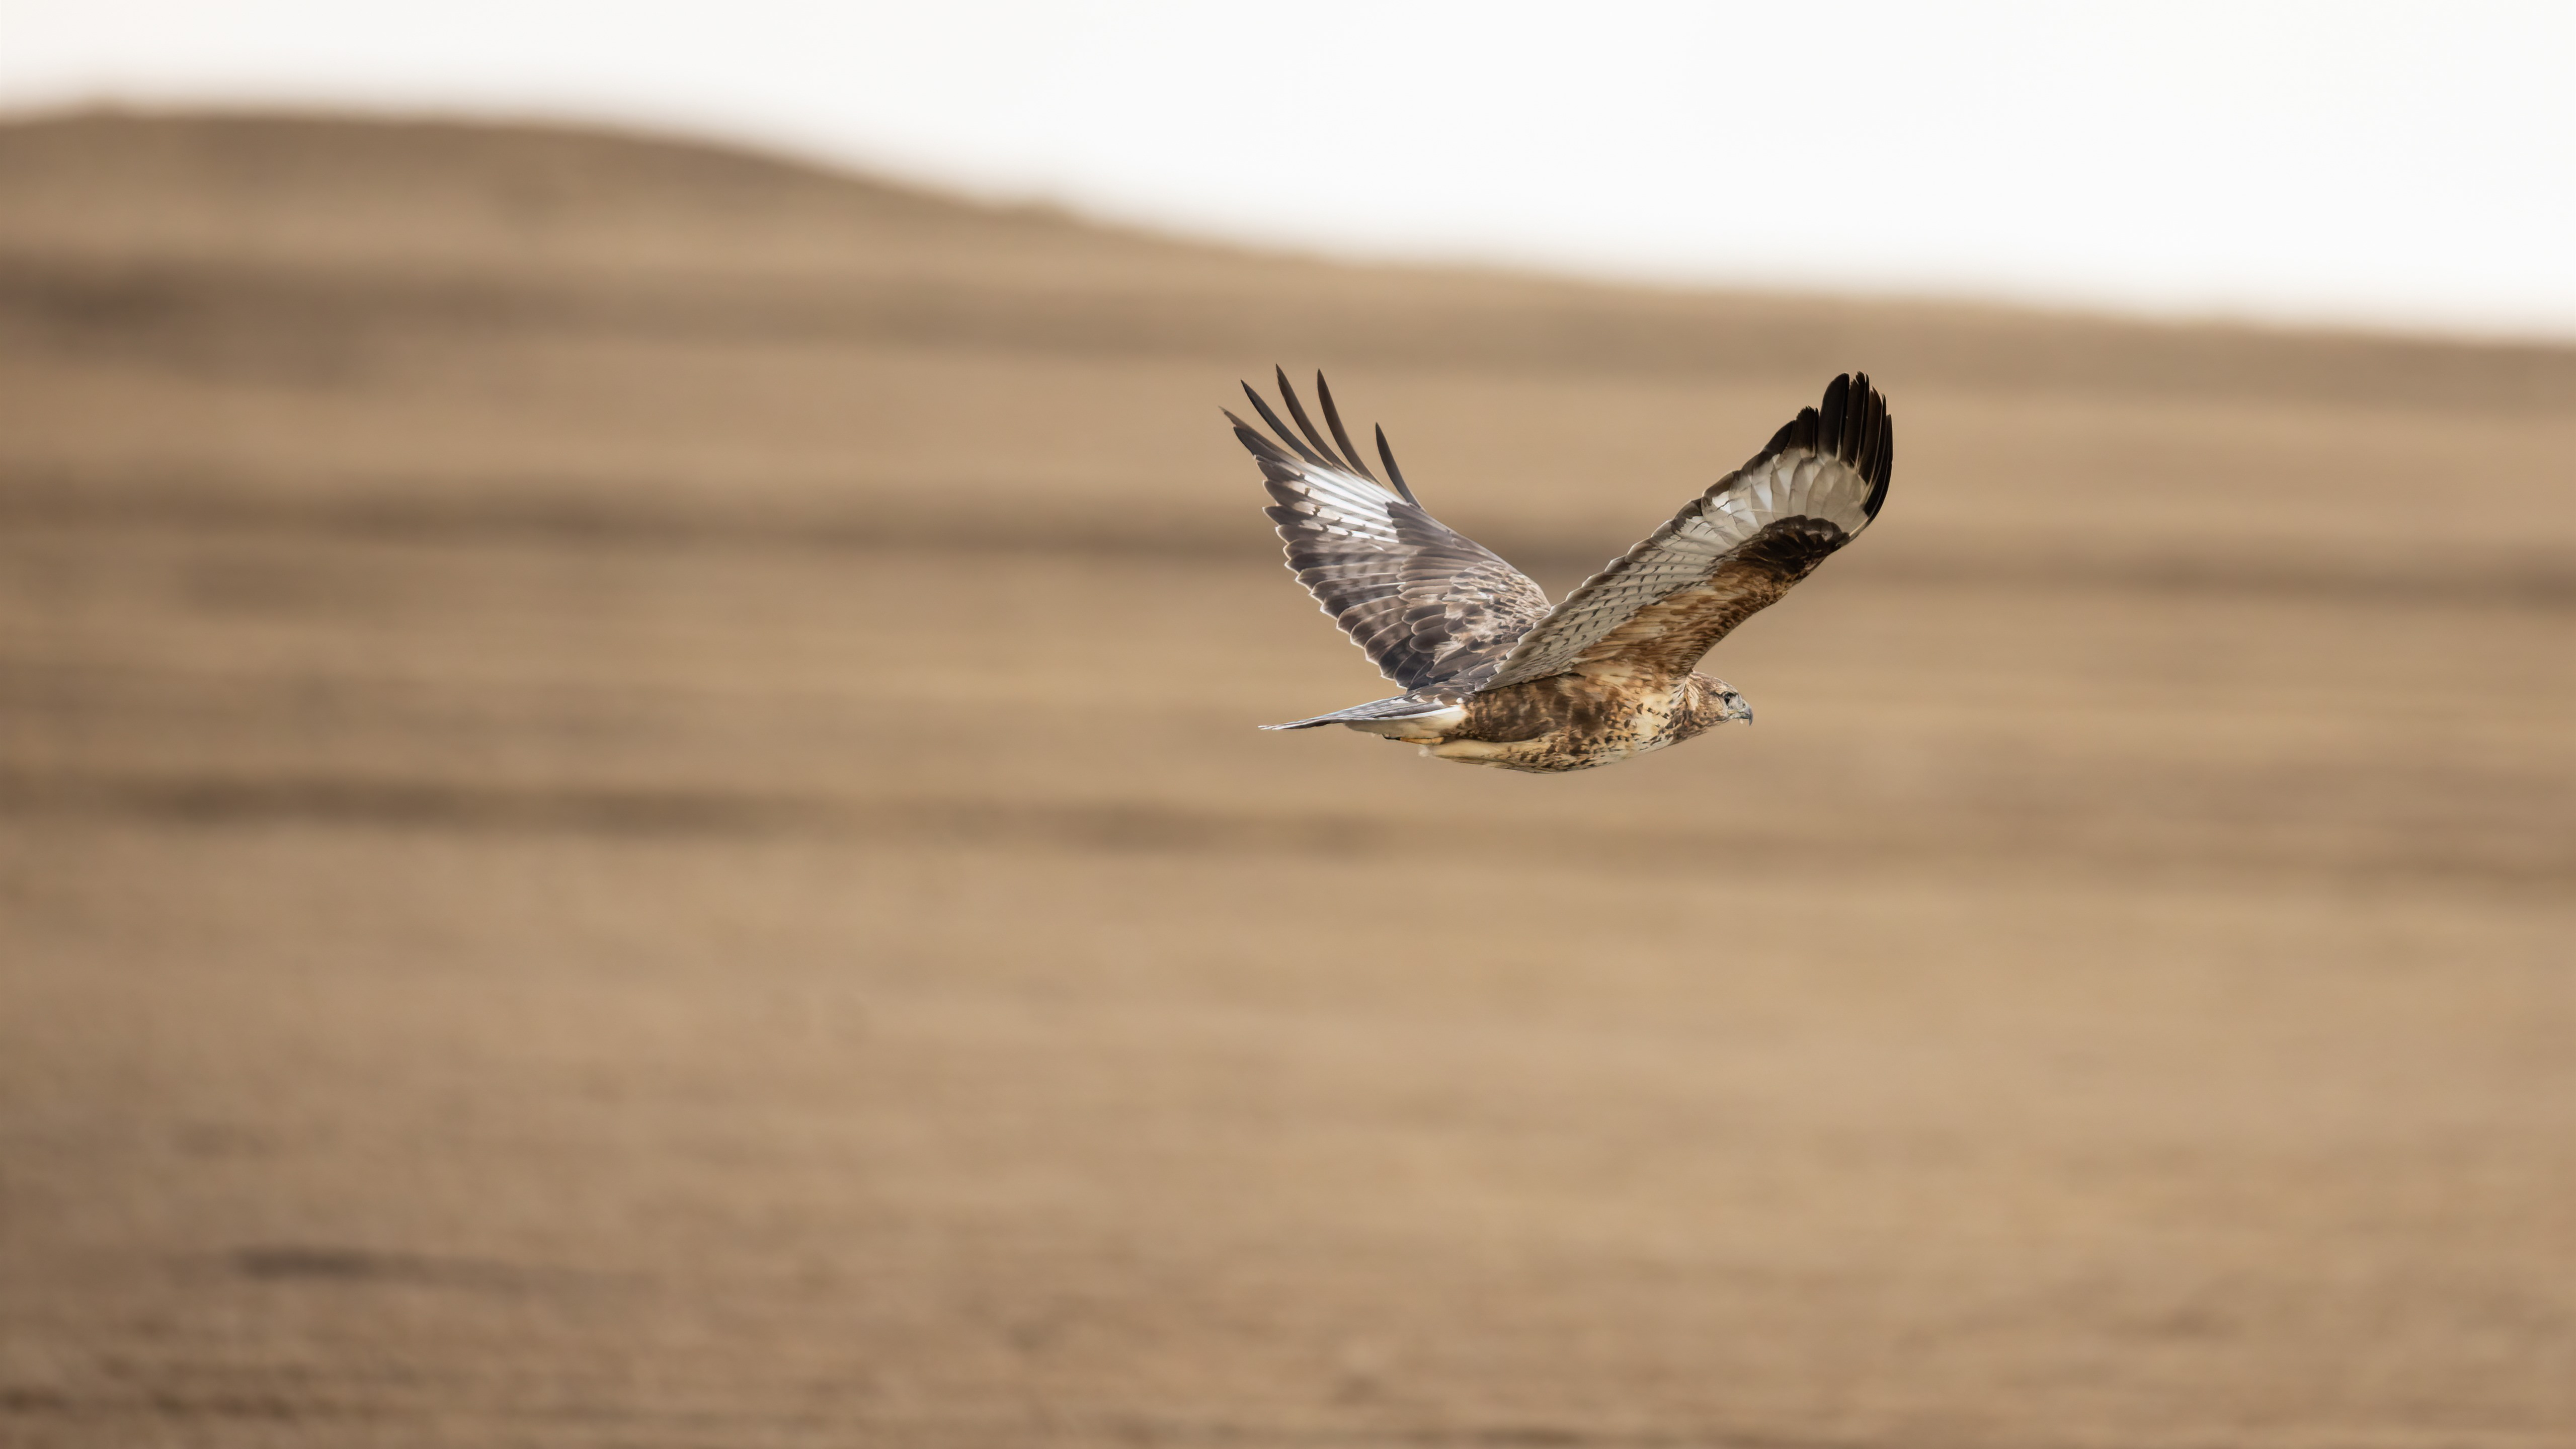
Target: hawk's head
{"points": [[1731, 705], [1714, 702]]}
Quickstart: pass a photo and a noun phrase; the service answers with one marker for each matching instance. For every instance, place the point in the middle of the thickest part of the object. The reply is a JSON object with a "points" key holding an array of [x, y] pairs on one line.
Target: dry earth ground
{"points": [[627, 817]]}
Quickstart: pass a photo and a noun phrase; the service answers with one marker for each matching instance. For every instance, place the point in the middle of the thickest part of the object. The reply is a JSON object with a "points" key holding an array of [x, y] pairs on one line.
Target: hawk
{"points": [[1491, 673]]}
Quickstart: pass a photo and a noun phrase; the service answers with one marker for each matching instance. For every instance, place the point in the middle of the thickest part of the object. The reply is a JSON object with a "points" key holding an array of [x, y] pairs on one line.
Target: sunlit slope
{"points": [[2288, 594]]}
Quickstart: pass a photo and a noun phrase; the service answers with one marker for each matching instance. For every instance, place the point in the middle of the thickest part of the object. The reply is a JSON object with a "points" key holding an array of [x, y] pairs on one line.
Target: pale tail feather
{"points": [[1400, 707]]}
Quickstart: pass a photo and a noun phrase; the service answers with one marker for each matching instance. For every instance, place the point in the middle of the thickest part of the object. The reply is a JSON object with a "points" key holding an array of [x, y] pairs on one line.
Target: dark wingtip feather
{"points": [[1394, 474], [1883, 465], [1333, 420], [1798, 432], [1262, 407], [1306, 424], [1869, 441], [1271, 450], [1832, 416], [1851, 423], [1253, 441]]}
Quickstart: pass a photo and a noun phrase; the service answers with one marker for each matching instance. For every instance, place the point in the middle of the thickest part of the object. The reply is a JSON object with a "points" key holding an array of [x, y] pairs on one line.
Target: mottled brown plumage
{"points": [[1492, 674]]}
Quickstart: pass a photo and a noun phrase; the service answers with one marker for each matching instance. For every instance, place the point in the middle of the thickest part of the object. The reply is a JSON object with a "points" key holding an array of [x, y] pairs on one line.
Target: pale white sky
{"points": [[2379, 164]]}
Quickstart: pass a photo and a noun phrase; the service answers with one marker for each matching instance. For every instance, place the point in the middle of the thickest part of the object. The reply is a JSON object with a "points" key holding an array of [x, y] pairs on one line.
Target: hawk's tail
{"points": [[1403, 706]]}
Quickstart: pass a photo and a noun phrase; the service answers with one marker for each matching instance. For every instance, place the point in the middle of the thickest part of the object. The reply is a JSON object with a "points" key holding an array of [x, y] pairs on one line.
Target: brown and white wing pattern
{"points": [[1431, 606], [1732, 552]]}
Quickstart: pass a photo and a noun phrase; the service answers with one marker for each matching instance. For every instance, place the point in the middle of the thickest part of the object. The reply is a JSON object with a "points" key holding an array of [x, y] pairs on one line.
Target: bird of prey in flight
{"points": [[1491, 673]]}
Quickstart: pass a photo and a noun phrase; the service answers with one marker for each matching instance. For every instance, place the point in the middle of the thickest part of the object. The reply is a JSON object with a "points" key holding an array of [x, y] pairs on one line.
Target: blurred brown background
{"points": [[628, 815]]}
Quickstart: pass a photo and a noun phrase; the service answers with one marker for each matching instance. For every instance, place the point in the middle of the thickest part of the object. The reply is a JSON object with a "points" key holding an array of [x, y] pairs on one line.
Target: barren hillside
{"points": [[628, 815]]}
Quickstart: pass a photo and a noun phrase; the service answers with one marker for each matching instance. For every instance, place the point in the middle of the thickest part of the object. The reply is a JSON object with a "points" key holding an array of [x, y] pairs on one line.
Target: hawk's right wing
{"points": [[1732, 552], [1431, 606]]}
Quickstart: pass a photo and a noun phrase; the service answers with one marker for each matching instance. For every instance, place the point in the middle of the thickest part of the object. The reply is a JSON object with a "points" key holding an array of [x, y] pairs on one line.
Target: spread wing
{"points": [[1431, 606], [1733, 551]]}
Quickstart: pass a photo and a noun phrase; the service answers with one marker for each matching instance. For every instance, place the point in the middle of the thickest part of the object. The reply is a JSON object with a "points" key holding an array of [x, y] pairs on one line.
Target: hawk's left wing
{"points": [[1430, 605], [1733, 551]]}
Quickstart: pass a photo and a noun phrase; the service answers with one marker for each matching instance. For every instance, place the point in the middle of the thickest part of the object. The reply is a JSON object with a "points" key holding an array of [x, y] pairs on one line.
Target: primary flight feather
{"points": [[1492, 675]]}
